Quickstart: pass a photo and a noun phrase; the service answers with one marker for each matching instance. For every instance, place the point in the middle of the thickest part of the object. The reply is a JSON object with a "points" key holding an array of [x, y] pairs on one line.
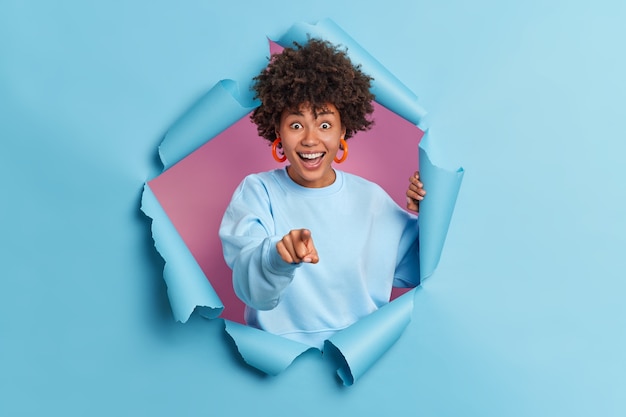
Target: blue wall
{"points": [[525, 315]]}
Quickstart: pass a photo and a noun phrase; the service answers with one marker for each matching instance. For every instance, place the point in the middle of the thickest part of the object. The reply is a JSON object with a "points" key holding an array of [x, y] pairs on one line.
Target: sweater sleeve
{"points": [[407, 274], [249, 243]]}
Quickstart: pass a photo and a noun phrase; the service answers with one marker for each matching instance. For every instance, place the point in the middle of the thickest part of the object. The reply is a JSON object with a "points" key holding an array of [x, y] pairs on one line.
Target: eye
{"points": [[295, 125], [325, 125]]}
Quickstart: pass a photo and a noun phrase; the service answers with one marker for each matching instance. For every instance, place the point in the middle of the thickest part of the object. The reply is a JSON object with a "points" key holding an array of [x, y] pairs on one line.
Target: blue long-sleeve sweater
{"points": [[366, 244]]}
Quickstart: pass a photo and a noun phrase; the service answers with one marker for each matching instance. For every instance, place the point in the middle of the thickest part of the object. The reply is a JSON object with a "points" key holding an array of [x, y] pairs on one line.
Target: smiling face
{"points": [[310, 141]]}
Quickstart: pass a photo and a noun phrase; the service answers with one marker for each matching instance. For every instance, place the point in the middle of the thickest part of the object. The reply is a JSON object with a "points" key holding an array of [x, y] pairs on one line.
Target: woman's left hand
{"points": [[415, 193]]}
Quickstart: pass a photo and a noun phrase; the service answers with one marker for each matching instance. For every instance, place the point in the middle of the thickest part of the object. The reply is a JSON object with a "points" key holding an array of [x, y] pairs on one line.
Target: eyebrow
{"points": [[317, 114]]}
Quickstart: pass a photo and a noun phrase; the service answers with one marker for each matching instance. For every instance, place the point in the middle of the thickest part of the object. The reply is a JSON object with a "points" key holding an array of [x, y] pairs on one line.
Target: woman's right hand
{"points": [[297, 246]]}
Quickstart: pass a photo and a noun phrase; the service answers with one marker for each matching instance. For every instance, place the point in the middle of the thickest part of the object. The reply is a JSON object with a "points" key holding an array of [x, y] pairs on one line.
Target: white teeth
{"points": [[311, 155]]}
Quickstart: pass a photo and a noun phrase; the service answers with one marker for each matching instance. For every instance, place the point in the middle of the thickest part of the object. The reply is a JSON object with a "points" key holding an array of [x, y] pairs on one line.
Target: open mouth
{"points": [[311, 158]]}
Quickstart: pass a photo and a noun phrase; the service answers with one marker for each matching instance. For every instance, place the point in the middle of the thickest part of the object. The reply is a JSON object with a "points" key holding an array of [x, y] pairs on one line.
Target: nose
{"points": [[310, 138]]}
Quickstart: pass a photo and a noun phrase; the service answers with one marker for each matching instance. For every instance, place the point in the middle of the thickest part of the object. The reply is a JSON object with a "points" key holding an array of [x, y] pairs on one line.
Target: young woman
{"points": [[314, 249]]}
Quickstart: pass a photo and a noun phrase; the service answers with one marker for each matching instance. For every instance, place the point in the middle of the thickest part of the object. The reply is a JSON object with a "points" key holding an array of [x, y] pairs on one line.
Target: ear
{"points": [[343, 132]]}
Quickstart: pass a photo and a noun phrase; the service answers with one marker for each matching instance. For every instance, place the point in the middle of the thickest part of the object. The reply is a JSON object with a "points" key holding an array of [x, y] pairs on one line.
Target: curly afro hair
{"points": [[316, 73]]}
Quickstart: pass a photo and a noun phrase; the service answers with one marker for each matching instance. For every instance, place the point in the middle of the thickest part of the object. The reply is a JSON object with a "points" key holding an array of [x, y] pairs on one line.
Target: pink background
{"points": [[195, 192]]}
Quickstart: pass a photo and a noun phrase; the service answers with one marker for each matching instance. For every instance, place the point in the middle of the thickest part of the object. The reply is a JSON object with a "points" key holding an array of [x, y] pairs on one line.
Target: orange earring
{"points": [[275, 152], [343, 145]]}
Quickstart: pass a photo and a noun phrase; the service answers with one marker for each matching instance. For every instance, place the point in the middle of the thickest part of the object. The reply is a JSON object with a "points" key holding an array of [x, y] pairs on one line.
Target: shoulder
{"points": [[354, 183], [255, 184], [371, 195]]}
